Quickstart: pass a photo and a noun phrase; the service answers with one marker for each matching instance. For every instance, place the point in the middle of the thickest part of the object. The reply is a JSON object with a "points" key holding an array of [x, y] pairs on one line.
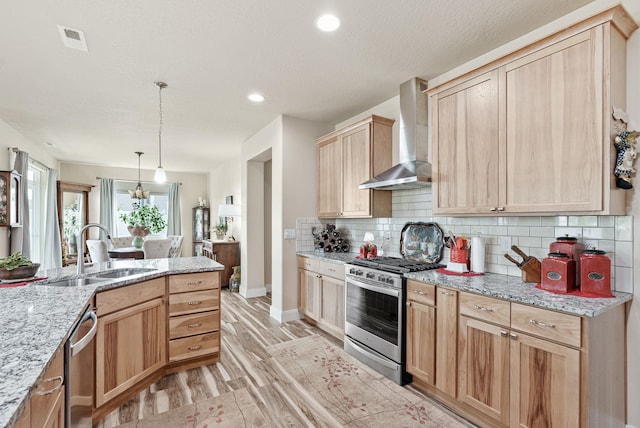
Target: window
{"points": [[36, 188], [159, 196]]}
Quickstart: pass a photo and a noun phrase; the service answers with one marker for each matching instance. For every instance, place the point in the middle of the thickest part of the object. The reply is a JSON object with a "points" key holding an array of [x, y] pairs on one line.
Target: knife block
{"points": [[531, 270]]}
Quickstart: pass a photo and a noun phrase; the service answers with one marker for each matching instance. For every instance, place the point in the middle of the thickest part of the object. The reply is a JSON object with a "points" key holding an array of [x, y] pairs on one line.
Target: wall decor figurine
{"points": [[625, 143]]}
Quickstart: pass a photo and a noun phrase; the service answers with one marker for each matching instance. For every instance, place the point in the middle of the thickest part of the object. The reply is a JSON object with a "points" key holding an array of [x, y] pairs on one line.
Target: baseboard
{"points": [[284, 316], [268, 287], [252, 292]]}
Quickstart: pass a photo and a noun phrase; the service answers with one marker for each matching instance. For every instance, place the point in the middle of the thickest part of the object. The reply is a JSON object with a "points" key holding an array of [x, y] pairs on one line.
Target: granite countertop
{"points": [[35, 320], [512, 288], [340, 258], [505, 287]]}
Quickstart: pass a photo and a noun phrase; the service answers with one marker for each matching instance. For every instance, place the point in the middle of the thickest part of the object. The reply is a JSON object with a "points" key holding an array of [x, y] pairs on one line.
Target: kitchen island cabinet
{"points": [[507, 133], [347, 158], [130, 341]]}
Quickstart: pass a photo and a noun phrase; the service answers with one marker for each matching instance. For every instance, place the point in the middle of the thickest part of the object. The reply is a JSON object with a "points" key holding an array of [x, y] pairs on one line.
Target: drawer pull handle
{"points": [[194, 348], [196, 325], [446, 293], [503, 333], [195, 302], [422, 293], [194, 283], [482, 308], [513, 336], [542, 324], [55, 388]]}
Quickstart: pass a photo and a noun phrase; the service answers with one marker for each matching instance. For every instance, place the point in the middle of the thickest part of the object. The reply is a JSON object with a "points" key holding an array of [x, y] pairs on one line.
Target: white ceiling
{"points": [[100, 106]]}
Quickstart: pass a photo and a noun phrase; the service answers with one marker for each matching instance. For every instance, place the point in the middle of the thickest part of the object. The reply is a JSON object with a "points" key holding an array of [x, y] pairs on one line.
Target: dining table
{"points": [[126, 253]]}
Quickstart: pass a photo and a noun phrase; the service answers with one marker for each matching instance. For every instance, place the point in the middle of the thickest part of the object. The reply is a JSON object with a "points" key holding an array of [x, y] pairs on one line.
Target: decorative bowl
{"points": [[20, 272]]}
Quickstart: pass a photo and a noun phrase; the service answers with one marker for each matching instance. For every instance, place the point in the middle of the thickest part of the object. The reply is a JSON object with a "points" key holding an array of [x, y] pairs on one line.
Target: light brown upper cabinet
{"points": [[532, 132], [347, 158]]}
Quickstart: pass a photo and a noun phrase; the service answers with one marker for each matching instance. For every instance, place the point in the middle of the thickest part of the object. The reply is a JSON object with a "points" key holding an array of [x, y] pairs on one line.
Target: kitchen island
{"points": [[36, 319]]}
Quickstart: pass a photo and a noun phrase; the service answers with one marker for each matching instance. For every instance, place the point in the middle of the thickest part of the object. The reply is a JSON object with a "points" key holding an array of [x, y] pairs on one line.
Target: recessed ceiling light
{"points": [[328, 22], [256, 98]]}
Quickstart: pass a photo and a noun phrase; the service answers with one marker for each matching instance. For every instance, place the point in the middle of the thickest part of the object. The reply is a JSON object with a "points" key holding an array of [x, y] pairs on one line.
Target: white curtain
{"points": [[106, 206], [52, 257], [21, 165], [173, 216]]}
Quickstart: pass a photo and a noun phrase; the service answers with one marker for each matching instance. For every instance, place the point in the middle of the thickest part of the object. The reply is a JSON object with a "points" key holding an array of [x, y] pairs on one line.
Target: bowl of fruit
{"points": [[16, 266]]}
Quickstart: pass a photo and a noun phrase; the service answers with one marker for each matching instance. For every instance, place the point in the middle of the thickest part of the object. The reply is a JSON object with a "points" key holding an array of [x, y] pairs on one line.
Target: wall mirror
{"points": [[73, 214]]}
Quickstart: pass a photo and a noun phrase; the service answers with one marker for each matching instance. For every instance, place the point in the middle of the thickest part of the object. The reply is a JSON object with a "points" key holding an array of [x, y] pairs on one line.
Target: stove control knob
{"points": [[370, 275], [389, 280], [359, 272], [352, 271], [381, 278]]}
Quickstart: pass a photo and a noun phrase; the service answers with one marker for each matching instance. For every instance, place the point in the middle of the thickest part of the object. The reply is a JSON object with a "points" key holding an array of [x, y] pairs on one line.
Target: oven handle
{"points": [[371, 355], [383, 290], [80, 344]]}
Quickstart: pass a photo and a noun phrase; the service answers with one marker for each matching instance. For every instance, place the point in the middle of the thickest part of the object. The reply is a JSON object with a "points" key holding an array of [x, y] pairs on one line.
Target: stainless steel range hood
{"points": [[413, 170]]}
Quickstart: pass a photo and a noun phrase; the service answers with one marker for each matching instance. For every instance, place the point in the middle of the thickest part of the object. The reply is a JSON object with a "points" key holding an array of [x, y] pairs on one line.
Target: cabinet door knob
{"points": [[503, 333], [514, 336], [493, 209], [500, 208]]}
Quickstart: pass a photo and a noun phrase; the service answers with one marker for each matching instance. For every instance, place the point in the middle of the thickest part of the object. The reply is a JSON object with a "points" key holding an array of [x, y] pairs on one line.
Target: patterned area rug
{"points": [[353, 394]]}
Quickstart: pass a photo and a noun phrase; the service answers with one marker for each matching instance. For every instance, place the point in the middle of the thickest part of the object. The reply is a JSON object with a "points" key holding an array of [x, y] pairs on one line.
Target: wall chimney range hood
{"points": [[413, 170]]}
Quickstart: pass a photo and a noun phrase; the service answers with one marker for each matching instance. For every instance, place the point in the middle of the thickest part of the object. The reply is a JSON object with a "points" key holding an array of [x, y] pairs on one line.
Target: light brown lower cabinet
{"points": [[47, 401], [131, 337], [194, 316], [321, 294], [518, 365]]}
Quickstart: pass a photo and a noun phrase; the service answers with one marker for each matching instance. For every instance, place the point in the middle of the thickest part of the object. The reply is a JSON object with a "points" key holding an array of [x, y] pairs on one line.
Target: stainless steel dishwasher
{"points": [[79, 371]]}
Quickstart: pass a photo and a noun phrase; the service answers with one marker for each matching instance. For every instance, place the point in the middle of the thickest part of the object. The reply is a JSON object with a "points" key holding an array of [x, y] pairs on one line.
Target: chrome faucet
{"points": [[81, 241]]}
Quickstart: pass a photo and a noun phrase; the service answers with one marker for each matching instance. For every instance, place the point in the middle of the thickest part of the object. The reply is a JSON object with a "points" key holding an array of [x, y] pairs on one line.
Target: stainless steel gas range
{"points": [[375, 317]]}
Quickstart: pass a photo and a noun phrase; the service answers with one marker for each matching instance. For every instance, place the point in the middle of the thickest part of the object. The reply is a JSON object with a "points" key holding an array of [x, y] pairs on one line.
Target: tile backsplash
{"points": [[613, 234]]}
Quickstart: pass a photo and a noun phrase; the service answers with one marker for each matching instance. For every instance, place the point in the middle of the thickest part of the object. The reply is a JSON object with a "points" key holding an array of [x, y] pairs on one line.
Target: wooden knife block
{"points": [[531, 270]]}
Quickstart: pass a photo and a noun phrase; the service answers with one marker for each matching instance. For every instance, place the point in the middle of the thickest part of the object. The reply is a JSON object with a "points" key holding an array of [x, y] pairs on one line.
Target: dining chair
{"points": [[97, 250], [176, 245], [122, 241], [156, 248]]}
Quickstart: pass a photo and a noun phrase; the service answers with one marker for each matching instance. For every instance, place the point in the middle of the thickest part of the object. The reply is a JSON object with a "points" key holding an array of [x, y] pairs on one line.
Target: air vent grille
{"points": [[72, 38]]}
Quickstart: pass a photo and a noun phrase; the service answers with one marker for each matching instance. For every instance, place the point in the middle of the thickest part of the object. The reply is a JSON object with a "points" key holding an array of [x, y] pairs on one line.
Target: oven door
{"points": [[374, 317]]}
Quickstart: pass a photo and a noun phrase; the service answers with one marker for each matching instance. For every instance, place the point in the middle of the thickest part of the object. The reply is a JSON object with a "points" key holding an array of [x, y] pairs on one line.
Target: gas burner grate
{"points": [[395, 264]]}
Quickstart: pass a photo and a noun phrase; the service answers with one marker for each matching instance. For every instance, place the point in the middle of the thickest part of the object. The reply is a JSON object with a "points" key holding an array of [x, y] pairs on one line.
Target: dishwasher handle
{"points": [[82, 343]]}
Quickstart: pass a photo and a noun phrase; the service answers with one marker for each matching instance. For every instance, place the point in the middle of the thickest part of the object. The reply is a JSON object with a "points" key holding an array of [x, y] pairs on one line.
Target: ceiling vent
{"points": [[73, 39]]}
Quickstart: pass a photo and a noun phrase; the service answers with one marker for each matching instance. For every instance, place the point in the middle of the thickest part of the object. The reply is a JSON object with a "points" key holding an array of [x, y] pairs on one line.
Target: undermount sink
{"points": [[121, 273], [75, 282]]}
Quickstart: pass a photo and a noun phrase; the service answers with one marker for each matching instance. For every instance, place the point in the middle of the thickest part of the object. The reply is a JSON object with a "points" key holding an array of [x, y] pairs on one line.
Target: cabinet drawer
{"points": [[194, 282], [47, 391], [334, 270], [194, 346], [551, 325], [308, 263], [190, 325], [131, 295], [485, 308], [421, 292], [198, 301]]}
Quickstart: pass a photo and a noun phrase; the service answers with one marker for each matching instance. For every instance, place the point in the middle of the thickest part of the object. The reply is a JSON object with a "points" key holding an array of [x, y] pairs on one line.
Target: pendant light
{"points": [[139, 193], [160, 176]]}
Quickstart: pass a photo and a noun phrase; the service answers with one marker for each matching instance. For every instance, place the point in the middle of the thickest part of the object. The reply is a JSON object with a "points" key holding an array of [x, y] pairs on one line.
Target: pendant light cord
{"points": [[161, 86]]}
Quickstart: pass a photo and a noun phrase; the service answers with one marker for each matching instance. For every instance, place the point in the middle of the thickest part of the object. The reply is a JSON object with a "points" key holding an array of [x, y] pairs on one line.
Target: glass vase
{"points": [[137, 241]]}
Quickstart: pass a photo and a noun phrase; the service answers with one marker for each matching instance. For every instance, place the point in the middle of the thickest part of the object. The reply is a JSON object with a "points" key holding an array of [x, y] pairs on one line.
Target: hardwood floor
{"points": [[248, 387]]}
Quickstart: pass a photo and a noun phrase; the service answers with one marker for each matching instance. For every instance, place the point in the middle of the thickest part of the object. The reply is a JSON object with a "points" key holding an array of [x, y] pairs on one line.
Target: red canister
{"points": [[595, 273], [570, 246], [558, 273]]}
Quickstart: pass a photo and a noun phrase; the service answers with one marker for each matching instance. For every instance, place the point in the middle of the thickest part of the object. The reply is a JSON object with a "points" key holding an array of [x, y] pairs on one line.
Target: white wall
{"points": [[225, 180], [193, 187], [290, 144]]}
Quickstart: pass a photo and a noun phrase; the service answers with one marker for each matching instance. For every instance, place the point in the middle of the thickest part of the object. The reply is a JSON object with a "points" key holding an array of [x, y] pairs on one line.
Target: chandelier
{"points": [[139, 192], [160, 176]]}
